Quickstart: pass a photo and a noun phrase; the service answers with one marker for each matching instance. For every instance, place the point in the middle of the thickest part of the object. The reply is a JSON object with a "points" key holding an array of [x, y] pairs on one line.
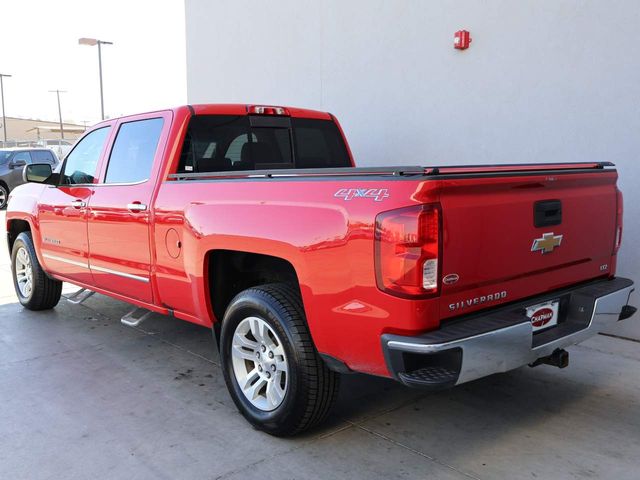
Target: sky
{"points": [[144, 69]]}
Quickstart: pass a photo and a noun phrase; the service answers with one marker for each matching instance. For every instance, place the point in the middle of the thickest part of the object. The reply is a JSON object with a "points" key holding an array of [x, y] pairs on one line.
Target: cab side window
{"points": [[81, 164], [133, 151]]}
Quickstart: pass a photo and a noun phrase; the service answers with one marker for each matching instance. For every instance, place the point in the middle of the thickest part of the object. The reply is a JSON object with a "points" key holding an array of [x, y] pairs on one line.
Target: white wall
{"points": [[543, 81]]}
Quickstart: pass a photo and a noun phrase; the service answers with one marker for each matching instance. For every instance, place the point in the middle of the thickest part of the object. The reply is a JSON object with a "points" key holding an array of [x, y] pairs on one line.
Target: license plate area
{"points": [[543, 315]]}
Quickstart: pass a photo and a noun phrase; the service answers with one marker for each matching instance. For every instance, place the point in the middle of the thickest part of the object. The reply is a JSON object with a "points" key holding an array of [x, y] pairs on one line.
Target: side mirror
{"points": [[17, 163], [37, 173]]}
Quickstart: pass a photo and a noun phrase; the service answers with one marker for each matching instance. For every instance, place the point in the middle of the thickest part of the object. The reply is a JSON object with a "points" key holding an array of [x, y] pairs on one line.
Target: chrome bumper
{"points": [[472, 348]]}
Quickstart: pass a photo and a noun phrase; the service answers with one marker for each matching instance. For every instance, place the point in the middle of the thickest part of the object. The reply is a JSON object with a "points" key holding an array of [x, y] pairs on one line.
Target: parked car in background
{"points": [[12, 162], [58, 146]]}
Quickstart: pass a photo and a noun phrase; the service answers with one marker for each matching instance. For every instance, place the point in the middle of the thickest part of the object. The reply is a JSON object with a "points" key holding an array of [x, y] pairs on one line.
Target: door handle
{"points": [[78, 204], [136, 207]]}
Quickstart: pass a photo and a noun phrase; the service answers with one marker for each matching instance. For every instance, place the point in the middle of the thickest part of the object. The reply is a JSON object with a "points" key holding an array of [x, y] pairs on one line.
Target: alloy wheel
{"points": [[259, 363], [24, 272]]}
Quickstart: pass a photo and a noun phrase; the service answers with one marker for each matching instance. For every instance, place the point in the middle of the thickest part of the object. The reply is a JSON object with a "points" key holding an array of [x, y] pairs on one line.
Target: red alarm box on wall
{"points": [[461, 39]]}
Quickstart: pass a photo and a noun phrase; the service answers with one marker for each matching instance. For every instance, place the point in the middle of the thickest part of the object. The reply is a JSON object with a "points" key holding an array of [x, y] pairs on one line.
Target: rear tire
{"points": [[35, 290], [272, 370]]}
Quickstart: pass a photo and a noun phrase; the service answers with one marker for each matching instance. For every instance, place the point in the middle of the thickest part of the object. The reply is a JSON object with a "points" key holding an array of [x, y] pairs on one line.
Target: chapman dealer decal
{"points": [[541, 317], [377, 194]]}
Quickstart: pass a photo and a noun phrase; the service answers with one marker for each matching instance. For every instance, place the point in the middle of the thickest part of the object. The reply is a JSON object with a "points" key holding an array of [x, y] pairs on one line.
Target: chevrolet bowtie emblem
{"points": [[547, 243]]}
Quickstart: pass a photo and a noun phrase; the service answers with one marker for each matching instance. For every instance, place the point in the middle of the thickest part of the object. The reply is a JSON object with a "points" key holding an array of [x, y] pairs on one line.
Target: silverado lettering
{"points": [[252, 221], [478, 300]]}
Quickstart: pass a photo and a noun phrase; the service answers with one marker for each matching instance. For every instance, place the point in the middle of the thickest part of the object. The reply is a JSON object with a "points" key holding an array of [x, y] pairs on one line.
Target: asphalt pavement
{"points": [[84, 397]]}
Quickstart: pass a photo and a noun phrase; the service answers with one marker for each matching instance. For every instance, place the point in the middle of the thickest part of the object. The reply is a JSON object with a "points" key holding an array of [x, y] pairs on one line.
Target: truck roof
{"points": [[234, 109], [243, 109]]}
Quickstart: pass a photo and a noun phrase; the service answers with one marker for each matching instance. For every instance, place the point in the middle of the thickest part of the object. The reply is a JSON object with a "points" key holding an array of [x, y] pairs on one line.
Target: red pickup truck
{"points": [[253, 221]]}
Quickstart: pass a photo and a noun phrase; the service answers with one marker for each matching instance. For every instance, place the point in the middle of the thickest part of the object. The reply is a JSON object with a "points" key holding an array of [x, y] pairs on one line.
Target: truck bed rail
{"points": [[304, 172], [397, 171]]}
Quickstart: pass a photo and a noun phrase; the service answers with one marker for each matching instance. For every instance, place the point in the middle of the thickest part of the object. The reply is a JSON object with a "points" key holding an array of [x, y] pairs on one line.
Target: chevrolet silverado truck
{"points": [[253, 221]]}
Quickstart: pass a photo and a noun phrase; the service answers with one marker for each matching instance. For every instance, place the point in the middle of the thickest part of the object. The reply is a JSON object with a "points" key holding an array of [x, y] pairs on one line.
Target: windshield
{"points": [[221, 143], [4, 156]]}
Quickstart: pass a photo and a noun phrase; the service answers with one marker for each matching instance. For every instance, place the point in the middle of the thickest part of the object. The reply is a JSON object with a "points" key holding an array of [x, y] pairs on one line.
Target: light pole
{"points": [[4, 118], [93, 42], [58, 92]]}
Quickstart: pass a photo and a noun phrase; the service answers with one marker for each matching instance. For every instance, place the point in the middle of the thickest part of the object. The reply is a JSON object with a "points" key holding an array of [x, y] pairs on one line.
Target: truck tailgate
{"points": [[511, 235]]}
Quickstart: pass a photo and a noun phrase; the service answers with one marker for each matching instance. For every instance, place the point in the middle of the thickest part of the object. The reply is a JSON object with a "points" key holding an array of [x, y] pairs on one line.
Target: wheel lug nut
{"points": [[257, 354], [268, 375], [273, 368], [259, 368], [270, 354], [264, 348]]}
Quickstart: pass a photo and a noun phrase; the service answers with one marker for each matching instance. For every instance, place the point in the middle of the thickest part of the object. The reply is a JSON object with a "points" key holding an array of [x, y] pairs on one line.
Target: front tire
{"points": [[272, 370], [35, 290]]}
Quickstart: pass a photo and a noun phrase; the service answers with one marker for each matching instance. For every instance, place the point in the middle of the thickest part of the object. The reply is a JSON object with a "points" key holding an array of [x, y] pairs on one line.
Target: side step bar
{"points": [[80, 296], [136, 316], [132, 319]]}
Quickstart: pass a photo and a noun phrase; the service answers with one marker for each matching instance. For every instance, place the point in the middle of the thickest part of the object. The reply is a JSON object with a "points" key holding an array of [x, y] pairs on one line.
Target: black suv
{"points": [[12, 162]]}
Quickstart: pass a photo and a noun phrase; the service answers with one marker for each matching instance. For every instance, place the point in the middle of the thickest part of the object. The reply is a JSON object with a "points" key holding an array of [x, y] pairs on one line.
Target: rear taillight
{"points": [[618, 239], [267, 110], [407, 251]]}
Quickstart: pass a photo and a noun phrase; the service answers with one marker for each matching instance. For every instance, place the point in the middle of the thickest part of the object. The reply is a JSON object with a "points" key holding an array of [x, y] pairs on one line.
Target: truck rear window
{"points": [[222, 143]]}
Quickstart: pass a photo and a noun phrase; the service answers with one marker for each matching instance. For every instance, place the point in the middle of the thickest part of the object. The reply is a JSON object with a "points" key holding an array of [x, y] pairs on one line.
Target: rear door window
{"points": [[319, 144], [220, 143], [133, 151], [234, 150]]}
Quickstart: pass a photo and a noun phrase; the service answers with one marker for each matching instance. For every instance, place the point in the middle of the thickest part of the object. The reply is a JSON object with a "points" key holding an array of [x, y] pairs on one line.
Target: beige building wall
{"points": [[23, 129]]}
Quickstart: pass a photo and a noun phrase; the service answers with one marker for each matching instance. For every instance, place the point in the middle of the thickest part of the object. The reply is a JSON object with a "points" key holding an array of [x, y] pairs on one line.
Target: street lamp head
{"points": [[92, 42], [88, 41]]}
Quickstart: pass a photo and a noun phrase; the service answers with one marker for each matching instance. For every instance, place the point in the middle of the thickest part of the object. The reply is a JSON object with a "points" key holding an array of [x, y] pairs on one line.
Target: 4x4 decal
{"points": [[378, 194]]}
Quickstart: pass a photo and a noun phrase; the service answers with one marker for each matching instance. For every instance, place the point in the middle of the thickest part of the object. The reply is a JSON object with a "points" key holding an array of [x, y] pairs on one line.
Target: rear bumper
{"points": [[502, 339]]}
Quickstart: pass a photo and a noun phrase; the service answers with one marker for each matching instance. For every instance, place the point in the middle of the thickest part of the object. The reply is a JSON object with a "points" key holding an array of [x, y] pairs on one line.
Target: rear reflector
{"points": [[407, 249], [430, 274], [267, 110]]}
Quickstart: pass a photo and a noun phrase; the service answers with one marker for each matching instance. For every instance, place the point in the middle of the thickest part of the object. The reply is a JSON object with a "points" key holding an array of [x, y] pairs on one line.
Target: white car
{"points": [[60, 147]]}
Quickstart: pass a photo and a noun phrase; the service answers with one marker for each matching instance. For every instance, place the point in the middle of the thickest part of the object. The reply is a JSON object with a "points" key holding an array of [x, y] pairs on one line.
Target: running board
{"points": [[135, 317], [80, 296]]}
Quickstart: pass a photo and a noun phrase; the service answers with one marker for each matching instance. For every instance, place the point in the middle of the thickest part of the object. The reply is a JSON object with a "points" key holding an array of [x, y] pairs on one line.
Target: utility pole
{"points": [[58, 92], [100, 70], [4, 118]]}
